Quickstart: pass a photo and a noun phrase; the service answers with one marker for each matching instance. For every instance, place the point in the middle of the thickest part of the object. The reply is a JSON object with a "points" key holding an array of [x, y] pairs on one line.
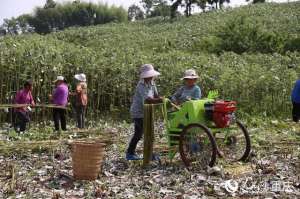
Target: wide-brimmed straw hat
{"points": [[147, 70], [190, 74], [59, 78], [80, 77]]}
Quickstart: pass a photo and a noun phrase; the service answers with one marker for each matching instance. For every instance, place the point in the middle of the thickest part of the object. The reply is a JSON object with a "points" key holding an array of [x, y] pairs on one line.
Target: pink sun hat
{"points": [[147, 70]]}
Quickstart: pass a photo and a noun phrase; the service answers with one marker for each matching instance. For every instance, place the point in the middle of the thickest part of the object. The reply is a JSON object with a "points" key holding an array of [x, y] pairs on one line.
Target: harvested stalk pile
{"points": [[148, 132]]}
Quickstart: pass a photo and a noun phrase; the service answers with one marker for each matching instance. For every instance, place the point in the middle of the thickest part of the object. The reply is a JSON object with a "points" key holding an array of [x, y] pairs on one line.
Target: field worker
{"points": [[24, 96], [146, 91], [81, 99], [189, 91], [295, 97], [59, 97]]}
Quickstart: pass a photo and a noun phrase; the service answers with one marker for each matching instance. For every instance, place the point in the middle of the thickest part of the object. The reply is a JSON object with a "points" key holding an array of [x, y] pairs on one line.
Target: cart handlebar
{"points": [[167, 100]]}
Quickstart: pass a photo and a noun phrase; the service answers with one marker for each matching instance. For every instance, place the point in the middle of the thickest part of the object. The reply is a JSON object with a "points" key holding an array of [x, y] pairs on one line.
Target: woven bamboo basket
{"points": [[87, 157]]}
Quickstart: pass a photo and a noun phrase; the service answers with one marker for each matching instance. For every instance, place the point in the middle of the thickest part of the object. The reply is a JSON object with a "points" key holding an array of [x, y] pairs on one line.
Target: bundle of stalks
{"points": [[148, 133], [7, 147], [21, 146]]}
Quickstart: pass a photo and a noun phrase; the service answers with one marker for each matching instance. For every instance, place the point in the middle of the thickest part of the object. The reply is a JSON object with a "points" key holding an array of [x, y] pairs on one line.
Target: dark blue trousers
{"points": [[138, 134]]}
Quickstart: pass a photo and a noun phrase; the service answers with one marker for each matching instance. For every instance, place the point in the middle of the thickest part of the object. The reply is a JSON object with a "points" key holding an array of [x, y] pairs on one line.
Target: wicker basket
{"points": [[87, 159]]}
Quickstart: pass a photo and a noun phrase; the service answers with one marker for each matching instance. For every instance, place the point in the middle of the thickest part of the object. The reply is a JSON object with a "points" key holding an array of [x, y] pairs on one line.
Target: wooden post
{"points": [[148, 133]]}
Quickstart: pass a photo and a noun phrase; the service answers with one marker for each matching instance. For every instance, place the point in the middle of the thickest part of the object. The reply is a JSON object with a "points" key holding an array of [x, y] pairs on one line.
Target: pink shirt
{"points": [[23, 97], [60, 95]]}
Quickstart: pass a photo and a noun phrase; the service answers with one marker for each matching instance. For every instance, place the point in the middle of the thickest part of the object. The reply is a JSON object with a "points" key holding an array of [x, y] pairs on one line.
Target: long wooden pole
{"points": [[4, 106]]}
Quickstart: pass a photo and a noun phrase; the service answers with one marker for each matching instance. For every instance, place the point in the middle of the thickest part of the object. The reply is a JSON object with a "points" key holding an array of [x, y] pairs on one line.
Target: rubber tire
{"points": [[211, 138], [248, 141]]}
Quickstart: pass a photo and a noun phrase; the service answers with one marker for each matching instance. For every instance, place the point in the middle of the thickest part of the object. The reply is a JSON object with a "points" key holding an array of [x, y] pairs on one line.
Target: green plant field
{"points": [[110, 55]]}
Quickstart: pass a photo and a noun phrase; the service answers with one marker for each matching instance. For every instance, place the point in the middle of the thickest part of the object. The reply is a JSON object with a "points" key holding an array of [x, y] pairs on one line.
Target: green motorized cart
{"points": [[201, 130]]}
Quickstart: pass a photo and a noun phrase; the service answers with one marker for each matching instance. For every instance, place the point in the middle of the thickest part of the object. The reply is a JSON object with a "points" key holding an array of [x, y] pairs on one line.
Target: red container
{"points": [[222, 113], [224, 106]]}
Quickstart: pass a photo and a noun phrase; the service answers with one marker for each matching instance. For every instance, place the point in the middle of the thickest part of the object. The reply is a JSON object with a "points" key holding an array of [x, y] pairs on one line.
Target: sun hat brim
{"points": [[190, 77], [79, 77], [151, 73], [59, 79]]}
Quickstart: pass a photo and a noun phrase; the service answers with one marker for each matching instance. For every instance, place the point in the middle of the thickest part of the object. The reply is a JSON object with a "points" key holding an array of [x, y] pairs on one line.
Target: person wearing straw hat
{"points": [[145, 91], [24, 96], [189, 91], [81, 99], [59, 97]]}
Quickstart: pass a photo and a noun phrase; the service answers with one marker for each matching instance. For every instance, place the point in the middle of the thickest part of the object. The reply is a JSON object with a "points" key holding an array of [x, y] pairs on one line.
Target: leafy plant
{"points": [[110, 55]]}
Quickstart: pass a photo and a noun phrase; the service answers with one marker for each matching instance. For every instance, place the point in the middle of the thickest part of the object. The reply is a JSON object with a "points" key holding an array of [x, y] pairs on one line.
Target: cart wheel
{"points": [[235, 145], [197, 147]]}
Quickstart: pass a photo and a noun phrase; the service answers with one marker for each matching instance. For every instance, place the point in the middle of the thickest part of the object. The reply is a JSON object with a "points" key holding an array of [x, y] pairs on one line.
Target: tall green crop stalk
{"points": [[110, 56]]}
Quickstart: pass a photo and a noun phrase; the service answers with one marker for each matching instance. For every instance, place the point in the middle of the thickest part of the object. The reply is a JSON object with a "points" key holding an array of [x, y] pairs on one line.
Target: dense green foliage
{"points": [[111, 54], [243, 34]]}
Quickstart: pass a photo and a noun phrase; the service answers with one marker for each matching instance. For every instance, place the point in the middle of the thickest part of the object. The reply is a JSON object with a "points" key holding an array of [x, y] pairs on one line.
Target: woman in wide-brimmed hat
{"points": [[81, 99], [146, 91], [189, 91]]}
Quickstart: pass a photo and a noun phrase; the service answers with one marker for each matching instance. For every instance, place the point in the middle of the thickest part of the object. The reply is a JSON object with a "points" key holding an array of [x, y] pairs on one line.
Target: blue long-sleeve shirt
{"points": [[185, 93], [142, 92], [296, 92]]}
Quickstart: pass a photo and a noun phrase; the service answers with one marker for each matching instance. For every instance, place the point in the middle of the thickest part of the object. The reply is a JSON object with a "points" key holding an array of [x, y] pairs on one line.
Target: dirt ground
{"points": [[34, 167]]}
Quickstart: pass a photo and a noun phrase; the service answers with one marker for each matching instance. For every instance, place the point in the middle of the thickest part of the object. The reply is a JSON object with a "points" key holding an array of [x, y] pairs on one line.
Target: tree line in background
{"points": [[169, 8], [56, 16]]}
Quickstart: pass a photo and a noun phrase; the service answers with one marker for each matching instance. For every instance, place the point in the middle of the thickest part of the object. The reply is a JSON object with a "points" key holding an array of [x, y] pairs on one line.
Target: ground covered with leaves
{"points": [[38, 164]]}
